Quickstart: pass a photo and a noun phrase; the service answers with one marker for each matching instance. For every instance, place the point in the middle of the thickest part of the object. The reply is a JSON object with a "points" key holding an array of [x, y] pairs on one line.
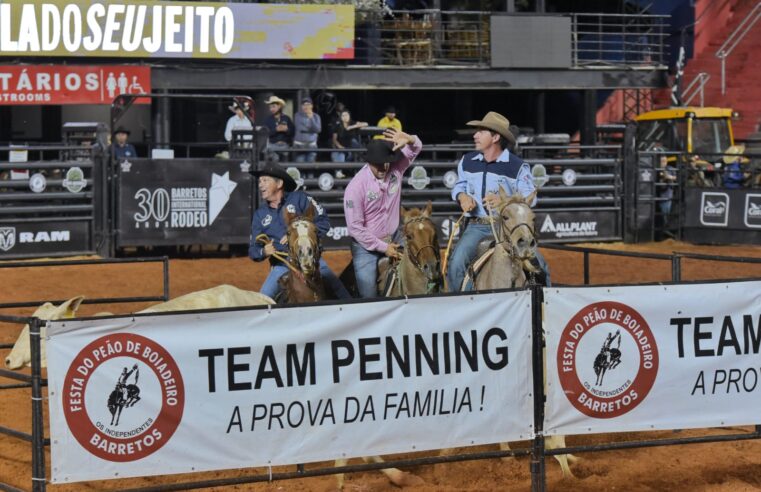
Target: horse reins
{"points": [[444, 263], [414, 258], [283, 258]]}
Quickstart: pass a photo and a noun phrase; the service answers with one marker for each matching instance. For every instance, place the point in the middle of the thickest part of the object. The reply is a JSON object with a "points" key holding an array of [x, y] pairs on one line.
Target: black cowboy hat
{"points": [[380, 152], [121, 129], [274, 170]]}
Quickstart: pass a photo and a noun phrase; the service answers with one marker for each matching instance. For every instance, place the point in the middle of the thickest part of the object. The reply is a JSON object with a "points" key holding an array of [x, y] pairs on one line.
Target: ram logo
{"points": [[7, 238]]}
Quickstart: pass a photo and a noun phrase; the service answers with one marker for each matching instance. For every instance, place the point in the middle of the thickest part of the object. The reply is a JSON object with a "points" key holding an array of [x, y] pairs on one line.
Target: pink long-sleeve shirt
{"points": [[372, 206]]}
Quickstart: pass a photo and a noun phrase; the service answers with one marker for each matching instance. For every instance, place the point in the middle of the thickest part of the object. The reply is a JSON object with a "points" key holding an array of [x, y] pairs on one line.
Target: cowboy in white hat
{"points": [[280, 127], [733, 173], [480, 175]]}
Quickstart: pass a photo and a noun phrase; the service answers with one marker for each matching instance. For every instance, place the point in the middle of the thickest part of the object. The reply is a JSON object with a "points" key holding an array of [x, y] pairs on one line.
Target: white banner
{"points": [[635, 358], [156, 395]]}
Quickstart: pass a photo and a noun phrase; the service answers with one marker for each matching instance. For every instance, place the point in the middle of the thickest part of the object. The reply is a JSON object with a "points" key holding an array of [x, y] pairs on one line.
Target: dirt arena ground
{"points": [[732, 466]]}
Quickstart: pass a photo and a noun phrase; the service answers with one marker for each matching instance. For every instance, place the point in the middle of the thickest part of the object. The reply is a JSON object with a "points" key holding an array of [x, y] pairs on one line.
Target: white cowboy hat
{"points": [[274, 100]]}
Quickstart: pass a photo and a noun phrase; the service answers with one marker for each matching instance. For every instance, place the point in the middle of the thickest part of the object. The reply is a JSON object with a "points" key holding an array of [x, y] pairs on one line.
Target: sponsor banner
{"points": [[184, 201], [723, 209], [71, 84], [623, 359], [39, 238], [155, 395], [577, 225], [156, 29]]}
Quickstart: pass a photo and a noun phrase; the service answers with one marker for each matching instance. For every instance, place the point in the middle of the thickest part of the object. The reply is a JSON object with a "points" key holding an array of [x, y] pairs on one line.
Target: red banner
{"points": [[58, 84]]}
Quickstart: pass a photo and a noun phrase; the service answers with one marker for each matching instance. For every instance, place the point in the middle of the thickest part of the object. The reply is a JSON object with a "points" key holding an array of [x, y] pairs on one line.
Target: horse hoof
{"points": [[406, 479]]}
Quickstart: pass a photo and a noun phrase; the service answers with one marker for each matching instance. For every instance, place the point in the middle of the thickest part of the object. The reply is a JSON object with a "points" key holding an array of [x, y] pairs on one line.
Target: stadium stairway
{"points": [[743, 92]]}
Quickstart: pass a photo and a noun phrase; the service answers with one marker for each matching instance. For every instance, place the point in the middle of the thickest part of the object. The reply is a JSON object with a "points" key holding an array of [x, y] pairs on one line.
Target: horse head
{"points": [[303, 242], [517, 234], [422, 242]]}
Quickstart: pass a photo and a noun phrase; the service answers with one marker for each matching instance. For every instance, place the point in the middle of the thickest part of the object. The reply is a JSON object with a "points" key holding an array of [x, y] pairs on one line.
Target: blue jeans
{"points": [[338, 156], [271, 287], [366, 267], [305, 156], [365, 270], [465, 252], [277, 156]]}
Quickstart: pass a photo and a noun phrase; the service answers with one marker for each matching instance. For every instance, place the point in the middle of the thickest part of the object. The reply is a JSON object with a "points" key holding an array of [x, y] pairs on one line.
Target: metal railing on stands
{"points": [[601, 39], [696, 87], [440, 37], [734, 39]]}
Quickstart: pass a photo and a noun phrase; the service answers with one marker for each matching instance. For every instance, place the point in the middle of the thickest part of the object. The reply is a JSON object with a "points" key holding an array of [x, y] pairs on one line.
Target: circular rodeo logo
{"points": [[123, 397], [607, 359]]}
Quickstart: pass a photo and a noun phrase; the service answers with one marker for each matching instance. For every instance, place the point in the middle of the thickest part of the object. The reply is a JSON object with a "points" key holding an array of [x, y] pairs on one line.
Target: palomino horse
{"points": [[303, 283], [504, 267], [419, 270]]}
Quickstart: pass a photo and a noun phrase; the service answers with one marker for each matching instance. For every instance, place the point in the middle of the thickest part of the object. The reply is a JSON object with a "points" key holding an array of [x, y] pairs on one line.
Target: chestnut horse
{"points": [[419, 270], [303, 283]]}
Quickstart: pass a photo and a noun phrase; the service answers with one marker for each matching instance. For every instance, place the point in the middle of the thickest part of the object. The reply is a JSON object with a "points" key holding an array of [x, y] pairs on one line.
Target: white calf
{"points": [[221, 296]]}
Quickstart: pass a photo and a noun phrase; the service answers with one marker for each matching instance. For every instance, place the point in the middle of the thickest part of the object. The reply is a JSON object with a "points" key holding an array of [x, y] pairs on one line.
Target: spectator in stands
{"points": [[121, 149], [280, 127], [389, 120], [665, 186], [735, 172], [494, 167], [372, 205], [238, 121], [278, 191], [308, 126], [346, 136]]}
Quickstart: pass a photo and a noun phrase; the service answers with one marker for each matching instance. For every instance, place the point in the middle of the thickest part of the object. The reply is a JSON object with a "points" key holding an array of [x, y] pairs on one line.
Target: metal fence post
{"points": [[676, 268], [586, 267], [38, 445], [538, 477]]}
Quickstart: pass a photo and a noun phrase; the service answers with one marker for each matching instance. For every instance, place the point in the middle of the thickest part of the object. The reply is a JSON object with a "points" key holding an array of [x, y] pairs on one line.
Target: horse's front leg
{"points": [[395, 475]]}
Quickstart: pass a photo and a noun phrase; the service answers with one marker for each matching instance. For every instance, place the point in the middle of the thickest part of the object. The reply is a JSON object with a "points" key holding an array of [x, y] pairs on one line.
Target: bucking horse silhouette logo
{"points": [[124, 395], [609, 357]]}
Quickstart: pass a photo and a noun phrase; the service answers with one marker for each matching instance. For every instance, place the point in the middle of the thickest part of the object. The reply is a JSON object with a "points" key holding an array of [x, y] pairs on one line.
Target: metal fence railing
{"points": [[601, 39], [439, 37]]}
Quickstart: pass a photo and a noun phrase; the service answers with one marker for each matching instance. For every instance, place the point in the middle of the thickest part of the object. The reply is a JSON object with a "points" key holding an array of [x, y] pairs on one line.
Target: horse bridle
{"points": [[507, 237], [414, 257], [294, 257]]}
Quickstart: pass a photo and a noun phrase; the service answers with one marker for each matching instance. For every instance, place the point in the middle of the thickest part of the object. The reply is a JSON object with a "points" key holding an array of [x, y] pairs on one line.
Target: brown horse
{"points": [[419, 270], [303, 283], [503, 267]]}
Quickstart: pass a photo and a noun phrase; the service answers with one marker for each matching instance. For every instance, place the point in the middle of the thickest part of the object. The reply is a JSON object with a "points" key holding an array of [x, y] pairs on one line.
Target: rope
{"points": [[278, 255], [491, 223], [444, 265]]}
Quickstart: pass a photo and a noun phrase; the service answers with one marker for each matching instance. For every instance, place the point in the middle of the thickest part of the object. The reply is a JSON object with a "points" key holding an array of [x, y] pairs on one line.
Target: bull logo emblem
{"points": [[7, 238]]}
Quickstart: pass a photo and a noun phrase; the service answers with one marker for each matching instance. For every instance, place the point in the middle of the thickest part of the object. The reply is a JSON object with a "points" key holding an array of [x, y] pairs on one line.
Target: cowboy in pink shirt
{"points": [[372, 204]]}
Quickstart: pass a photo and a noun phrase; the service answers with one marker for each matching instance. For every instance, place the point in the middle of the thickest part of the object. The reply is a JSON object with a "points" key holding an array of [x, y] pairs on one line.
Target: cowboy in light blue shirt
{"points": [[480, 176]]}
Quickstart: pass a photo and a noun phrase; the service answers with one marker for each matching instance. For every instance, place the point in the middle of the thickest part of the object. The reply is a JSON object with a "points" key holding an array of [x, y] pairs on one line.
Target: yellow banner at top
{"points": [[163, 29]]}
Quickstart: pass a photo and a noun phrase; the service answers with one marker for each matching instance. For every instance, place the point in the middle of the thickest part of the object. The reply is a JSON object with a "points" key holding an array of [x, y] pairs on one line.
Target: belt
{"points": [[479, 220]]}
